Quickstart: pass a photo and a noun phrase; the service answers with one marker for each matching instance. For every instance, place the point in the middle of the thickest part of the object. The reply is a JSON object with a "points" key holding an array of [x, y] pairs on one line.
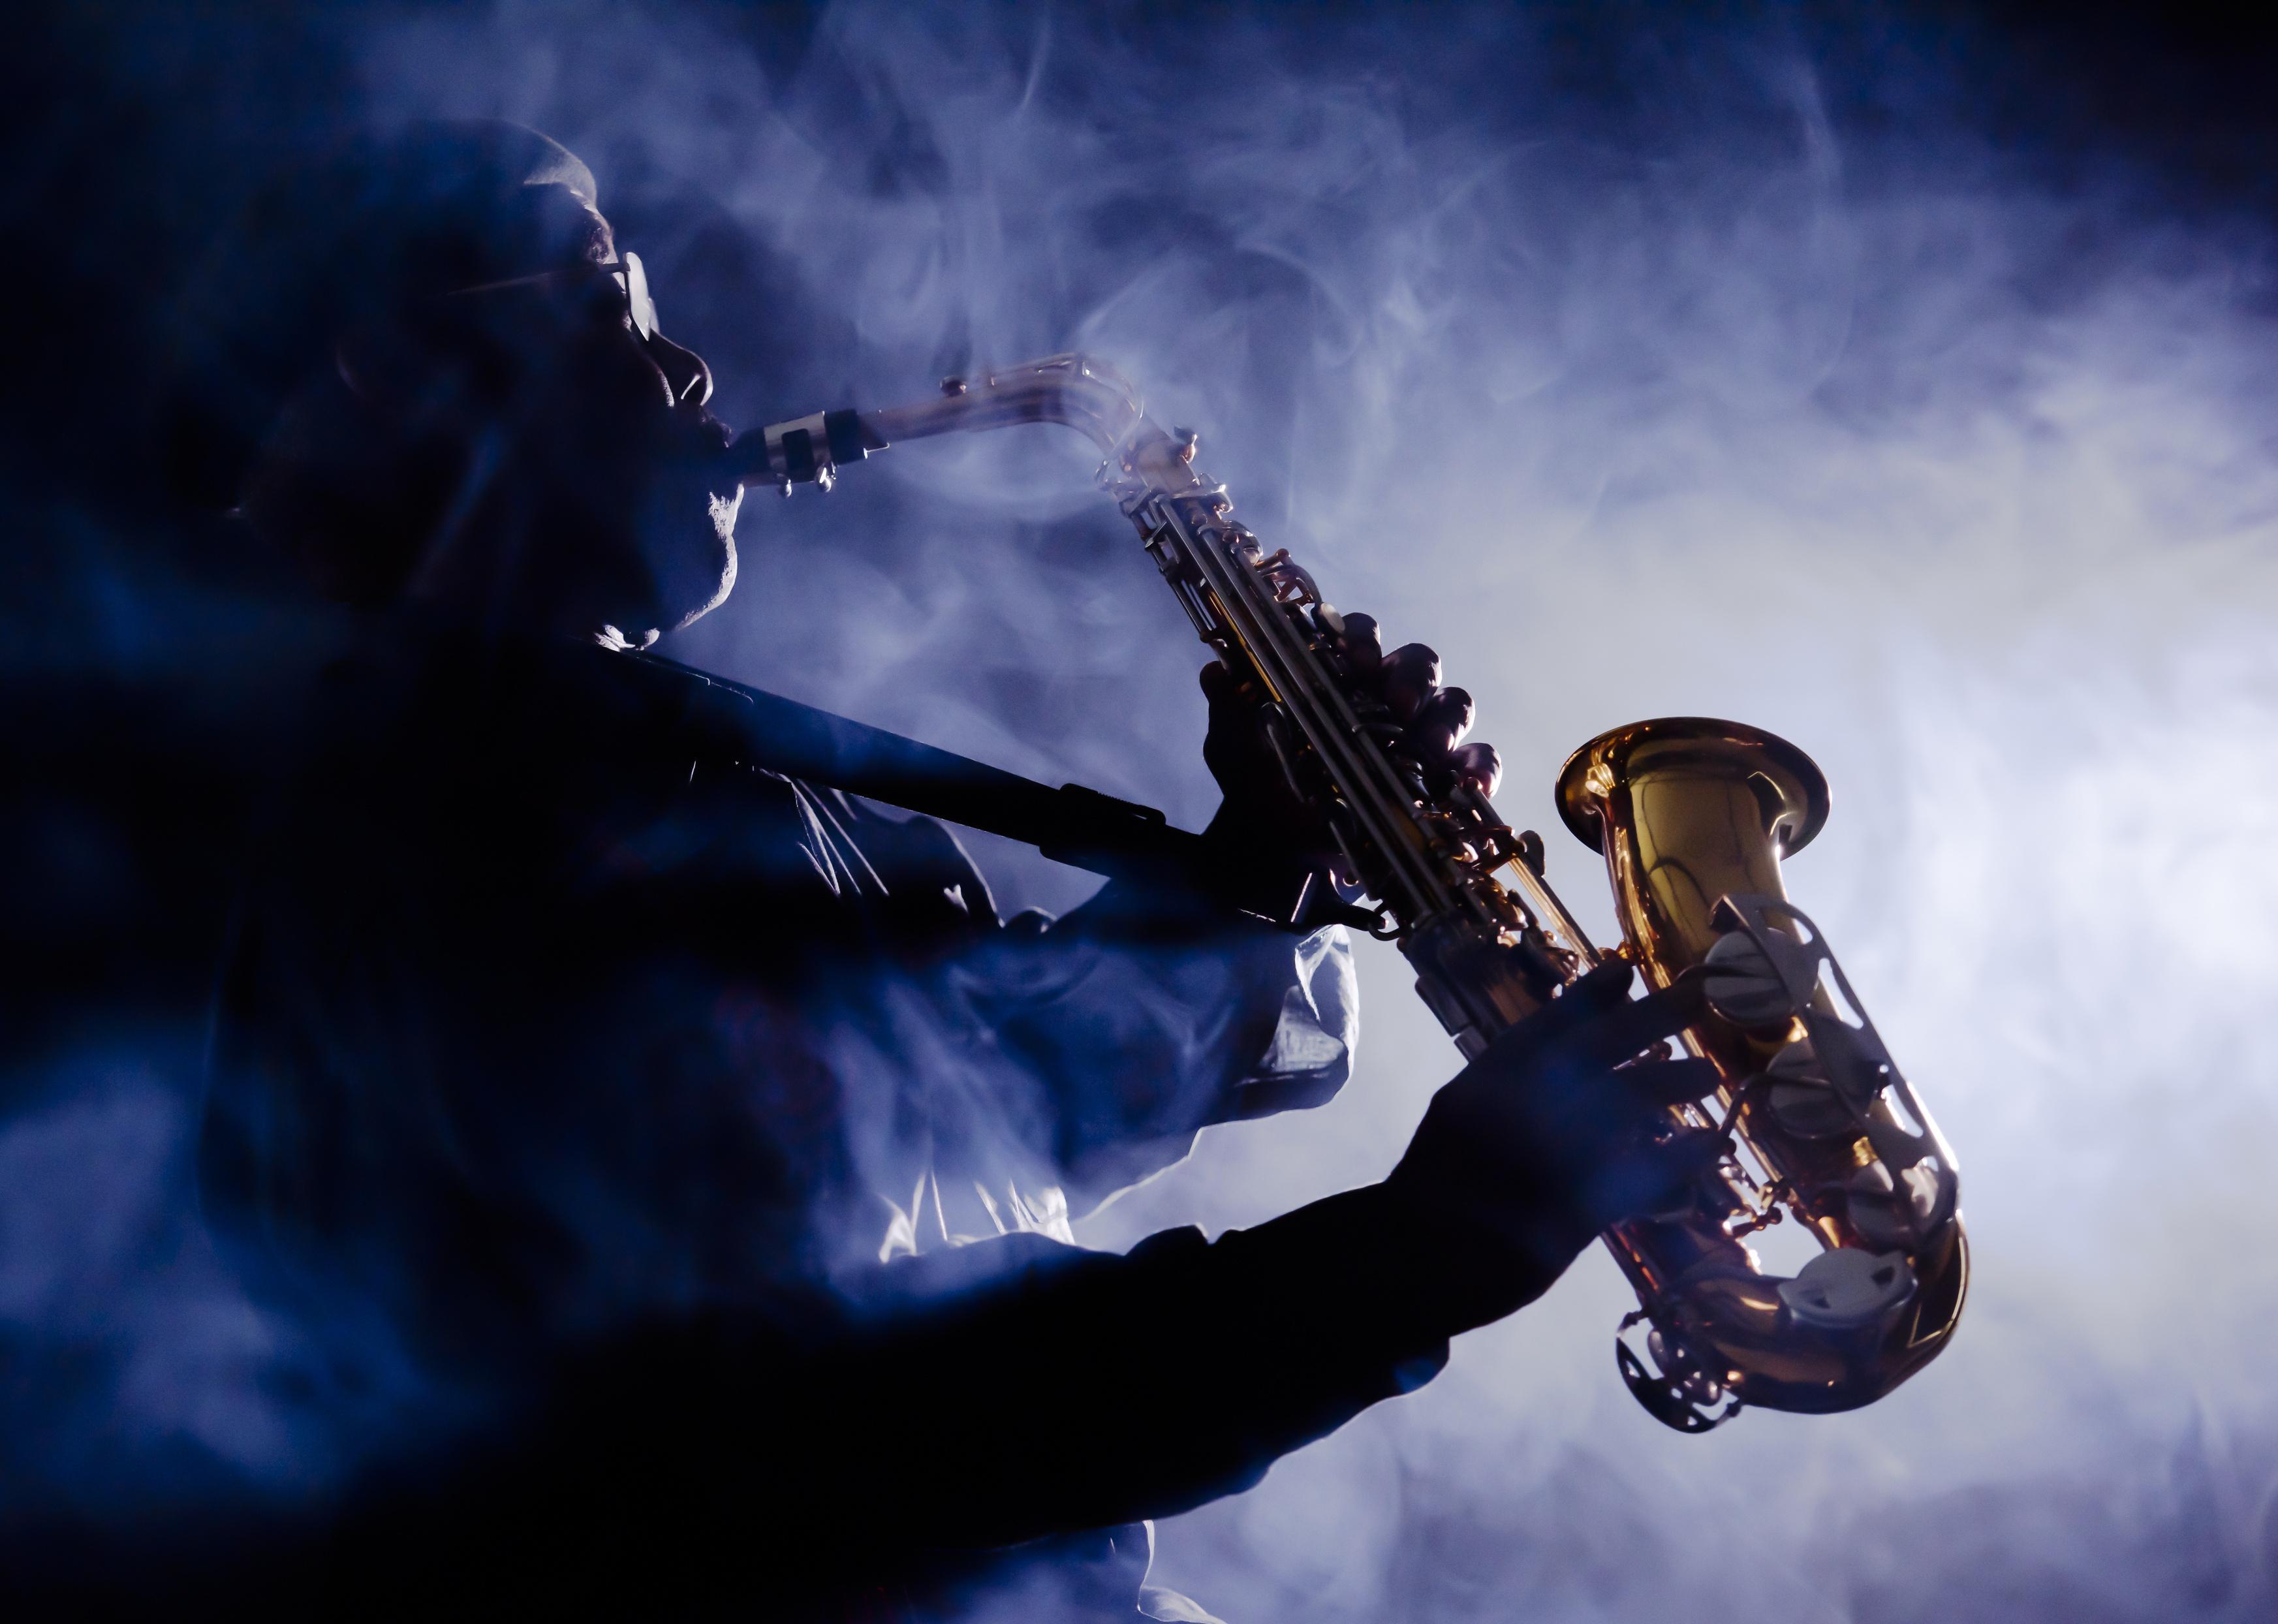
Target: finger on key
{"points": [[1363, 648], [1623, 1030], [1586, 1000], [1441, 723], [1481, 766], [1411, 675], [1655, 1086]]}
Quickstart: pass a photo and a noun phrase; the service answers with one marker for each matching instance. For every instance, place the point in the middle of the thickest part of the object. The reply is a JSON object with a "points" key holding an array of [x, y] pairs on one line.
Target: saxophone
{"points": [[1691, 817]]}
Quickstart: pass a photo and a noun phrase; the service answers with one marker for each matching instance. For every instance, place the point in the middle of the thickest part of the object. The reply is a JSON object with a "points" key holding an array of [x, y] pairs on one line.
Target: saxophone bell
{"points": [[1693, 817]]}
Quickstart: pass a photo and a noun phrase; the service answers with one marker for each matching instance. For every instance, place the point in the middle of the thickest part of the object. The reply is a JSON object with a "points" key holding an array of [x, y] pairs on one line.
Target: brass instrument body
{"points": [[1693, 817]]}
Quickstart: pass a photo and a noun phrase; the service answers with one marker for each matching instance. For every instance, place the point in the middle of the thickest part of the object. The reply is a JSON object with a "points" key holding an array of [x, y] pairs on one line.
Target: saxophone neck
{"points": [[1078, 391]]}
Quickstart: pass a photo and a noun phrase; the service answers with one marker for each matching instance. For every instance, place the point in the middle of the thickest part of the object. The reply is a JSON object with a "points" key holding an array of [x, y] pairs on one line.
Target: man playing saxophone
{"points": [[605, 1110]]}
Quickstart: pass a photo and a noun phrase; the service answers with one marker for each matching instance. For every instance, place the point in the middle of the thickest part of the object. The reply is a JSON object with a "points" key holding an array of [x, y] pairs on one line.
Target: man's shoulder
{"points": [[403, 685]]}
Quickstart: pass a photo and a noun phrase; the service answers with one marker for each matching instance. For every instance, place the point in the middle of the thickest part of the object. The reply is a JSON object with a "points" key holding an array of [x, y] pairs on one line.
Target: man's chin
{"points": [[706, 587], [727, 584]]}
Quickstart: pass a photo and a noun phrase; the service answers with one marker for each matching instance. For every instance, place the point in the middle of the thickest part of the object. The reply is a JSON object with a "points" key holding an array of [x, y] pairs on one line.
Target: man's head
{"points": [[423, 369]]}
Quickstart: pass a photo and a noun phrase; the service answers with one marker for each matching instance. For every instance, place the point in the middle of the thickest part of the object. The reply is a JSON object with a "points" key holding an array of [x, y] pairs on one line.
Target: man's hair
{"points": [[373, 227]]}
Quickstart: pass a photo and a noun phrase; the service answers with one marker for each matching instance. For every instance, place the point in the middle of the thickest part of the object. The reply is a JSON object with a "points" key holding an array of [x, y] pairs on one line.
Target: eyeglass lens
{"points": [[638, 303]]}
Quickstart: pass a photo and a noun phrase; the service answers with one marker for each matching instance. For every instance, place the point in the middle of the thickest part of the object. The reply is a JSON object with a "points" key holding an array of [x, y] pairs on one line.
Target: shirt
{"points": [[561, 1059]]}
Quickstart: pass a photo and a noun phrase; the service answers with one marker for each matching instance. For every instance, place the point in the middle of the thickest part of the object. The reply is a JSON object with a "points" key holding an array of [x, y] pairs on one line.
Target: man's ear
{"points": [[394, 368], [351, 483], [378, 367]]}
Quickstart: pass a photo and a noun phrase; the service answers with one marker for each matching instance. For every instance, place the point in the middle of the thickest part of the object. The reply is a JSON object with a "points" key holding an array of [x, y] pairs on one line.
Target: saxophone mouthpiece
{"points": [[808, 450]]}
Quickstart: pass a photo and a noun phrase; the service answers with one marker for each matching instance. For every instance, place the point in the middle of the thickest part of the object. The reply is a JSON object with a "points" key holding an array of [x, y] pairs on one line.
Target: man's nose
{"points": [[685, 372]]}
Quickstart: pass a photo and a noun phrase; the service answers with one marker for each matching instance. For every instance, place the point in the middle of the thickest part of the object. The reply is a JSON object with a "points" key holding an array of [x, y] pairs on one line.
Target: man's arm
{"points": [[778, 1458], [804, 1448]]}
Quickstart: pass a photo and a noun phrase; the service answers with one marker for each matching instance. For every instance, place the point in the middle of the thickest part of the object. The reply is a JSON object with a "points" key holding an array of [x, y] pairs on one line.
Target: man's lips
{"points": [[704, 441]]}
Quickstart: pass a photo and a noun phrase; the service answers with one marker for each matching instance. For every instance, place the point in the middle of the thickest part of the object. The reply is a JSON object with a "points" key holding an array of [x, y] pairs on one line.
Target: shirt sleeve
{"points": [[1093, 1047], [1128, 1043], [955, 1405]]}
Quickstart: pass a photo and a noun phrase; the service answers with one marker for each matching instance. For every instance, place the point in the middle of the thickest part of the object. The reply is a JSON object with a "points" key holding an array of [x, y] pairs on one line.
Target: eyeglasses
{"points": [[617, 292], [627, 282]]}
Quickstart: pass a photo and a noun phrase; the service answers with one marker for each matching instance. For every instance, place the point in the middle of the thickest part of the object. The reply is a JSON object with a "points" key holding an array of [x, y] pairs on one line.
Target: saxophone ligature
{"points": [[1693, 817]]}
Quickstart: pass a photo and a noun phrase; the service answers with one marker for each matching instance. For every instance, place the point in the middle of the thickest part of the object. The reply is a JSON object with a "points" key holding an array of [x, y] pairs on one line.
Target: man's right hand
{"points": [[1557, 1131]]}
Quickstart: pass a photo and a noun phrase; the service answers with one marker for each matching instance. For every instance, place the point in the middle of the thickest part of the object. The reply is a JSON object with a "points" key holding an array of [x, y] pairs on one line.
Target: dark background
{"points": [[153, 656]]}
